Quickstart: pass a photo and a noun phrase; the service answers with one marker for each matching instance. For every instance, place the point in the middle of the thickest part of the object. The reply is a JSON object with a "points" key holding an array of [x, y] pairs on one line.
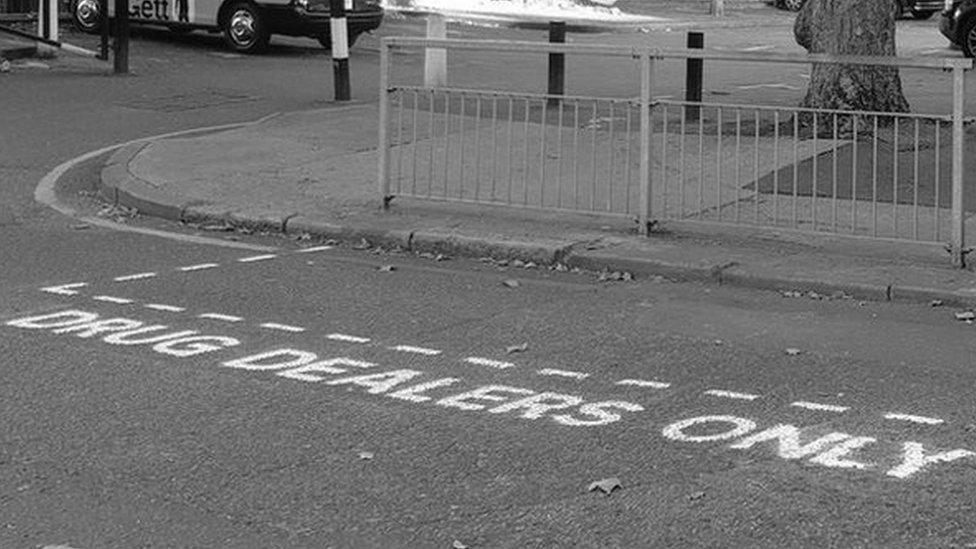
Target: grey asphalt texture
{"points": [[106, 445]]}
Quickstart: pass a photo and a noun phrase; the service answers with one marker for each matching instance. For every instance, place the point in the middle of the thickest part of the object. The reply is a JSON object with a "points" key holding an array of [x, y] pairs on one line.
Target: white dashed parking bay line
{"points": [[200, 267], [255, 258], [348, 338], [479, 361], [282, 327], [217, 316], [820, 407], [417, 350], [562, 373], [162, 307], [644, 383], [137, 276], [65, 289], [731, 394], [914, 419], [113, 299], [314, 249]]}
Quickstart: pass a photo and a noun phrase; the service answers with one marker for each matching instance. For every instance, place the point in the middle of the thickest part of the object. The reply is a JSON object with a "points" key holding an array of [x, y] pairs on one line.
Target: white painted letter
{"points": [[124, 338], [481, 393], [534, 407], [915, 459], [413, 393], [260, 361], [676, 431], [89, 329], [789, 441], [195, 345], [834, 456], [53, 320], [378, 383], [597, 409], [302, 373]]}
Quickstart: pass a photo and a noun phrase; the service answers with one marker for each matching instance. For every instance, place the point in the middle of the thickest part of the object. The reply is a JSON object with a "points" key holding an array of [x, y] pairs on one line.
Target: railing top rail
{"points": [[675, 53]]}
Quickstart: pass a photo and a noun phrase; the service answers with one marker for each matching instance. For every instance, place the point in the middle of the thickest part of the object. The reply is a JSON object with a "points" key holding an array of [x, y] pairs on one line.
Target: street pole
{"points": [[340, 49], [557, 62], [103, 16], [121, 37], [693, 76]]}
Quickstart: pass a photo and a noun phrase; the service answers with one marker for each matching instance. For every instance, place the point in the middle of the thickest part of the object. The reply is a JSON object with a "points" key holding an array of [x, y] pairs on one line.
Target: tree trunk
{"points": [[851, 27]]}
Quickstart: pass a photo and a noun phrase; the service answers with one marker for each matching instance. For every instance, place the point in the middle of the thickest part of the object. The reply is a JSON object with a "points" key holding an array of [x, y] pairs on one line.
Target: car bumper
{"points": [[293, 21], [928, 5]]}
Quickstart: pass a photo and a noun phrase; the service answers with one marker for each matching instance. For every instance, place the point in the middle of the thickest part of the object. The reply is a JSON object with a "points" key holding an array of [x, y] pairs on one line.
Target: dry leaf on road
{"points": [[606, 485], [517, 348], [511, 283]]}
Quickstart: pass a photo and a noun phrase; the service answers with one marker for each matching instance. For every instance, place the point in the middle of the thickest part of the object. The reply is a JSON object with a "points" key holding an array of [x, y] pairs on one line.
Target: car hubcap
{"points": [[794, 5], [242, 27], [971, 39], [87, 12]]}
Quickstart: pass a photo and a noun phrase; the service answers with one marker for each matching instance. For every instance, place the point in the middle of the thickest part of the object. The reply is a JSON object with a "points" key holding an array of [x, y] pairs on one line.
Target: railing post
{"points": [[958, 206], [645, 129], [383, 153]]}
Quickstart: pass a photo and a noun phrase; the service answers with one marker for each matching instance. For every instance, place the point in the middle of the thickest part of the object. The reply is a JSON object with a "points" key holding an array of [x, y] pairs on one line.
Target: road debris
{"points": [[511, 283], [517, 348], [606, 485]]}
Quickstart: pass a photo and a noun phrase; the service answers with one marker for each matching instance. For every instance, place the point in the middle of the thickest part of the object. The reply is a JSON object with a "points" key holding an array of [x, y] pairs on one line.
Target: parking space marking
{"points": [[65, 289], [255, 258], [137, 276], [418, 350], [113, 299], [348, 338], [200, 267], [731, 394], [914, 419], [644, 383], [562, 373], [167, 308], [315, 249], [283, 327], [820, 407], [479, 361], [217, 316]]}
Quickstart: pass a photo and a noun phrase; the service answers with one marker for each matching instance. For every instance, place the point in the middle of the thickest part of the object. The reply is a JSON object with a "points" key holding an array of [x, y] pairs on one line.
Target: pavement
{"points": [[312, 175]]}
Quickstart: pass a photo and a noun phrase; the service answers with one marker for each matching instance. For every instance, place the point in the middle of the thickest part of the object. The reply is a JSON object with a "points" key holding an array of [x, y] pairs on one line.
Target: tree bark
{"points": [[851, 27]]}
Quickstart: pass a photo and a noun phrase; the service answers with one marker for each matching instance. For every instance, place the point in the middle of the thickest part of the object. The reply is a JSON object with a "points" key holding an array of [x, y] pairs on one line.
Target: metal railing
{"points": [[860, 173]]}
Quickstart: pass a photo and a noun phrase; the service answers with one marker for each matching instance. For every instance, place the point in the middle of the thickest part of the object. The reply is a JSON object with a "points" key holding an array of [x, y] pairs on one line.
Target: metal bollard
{"points": [[557, 62], [693, 77], [340, 49], [121, 65]]}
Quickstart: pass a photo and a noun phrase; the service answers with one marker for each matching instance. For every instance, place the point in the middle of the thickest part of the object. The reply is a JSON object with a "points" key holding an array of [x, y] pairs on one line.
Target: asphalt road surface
{"points": [[209, 389]]}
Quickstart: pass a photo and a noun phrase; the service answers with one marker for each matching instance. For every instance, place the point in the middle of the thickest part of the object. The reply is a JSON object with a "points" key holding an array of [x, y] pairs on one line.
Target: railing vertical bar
{"points": [[701, 164], [543, 126], [383, 154], [796, 167], [874, 180], [755, 167], [494, 146], [894, 178], [738, 162], [915, 197], [525, 157], [958, 192], [833, 168], [511, 150], [462, 140], [665, 180], [646, 130], [415, 143], [477, 147], [718, 163], [402, 97], [938, 163], [447, 143], [681, 164], [855, 121], [628, 173], [576, 154], [814, 175], [776, 168], [430, 164], [595, 124], [559, 156], [612, 159]]}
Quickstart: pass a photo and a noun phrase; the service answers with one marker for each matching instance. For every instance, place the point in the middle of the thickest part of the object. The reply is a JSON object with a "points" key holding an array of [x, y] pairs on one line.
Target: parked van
{"points": [[246, 25]]}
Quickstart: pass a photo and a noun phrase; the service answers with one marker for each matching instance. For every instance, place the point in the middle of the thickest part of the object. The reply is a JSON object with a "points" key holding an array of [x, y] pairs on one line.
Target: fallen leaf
{"points": [[363, 245], [81, 226], [518, 263], [606, 485], [530, 265], [511, 283], [517, 348], [966, 315], [386, 268], [458, 545], [366, 455], [696, 495], [792, 351], [936, 303]]}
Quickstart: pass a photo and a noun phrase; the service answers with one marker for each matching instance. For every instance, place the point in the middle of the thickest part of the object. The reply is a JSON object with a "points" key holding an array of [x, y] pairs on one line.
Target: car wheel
{"points": [[244, 28], [793, 5], [968, 37], [326, 40], [86, 16]]}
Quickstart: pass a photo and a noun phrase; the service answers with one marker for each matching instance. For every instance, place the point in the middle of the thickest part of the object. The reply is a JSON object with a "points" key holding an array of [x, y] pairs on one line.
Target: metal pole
{"points": [[340, 49], [121, 37], [383, 158], [958, 221], [103, 16], [557, 62], [693, 76], [645, 138]]}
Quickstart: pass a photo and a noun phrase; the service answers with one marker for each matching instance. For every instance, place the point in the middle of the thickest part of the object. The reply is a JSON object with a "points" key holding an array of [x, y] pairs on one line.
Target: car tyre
{"points": [[244, 28], [967, 38], [920, 15], [85, 16], [326, 40]]}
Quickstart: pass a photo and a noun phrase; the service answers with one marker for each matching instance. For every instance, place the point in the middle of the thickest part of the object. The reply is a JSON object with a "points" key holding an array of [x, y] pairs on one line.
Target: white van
{"points": [[246, 24]]}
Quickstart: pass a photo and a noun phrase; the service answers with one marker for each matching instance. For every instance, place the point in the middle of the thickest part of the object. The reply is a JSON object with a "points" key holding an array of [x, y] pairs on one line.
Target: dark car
{"points": [[246, 24], [958, 24], [919, 9]]}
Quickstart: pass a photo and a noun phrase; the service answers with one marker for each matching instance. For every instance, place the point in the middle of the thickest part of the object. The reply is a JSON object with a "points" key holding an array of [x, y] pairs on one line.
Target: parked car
{"points": [[958, 24], [246, 25], [919, 9]]}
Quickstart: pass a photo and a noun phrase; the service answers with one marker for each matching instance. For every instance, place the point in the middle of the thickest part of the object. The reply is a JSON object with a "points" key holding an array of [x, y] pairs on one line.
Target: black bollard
{"points": [[693, 76], [103, 19], [557, 62], [121, 36], [340, 50]]}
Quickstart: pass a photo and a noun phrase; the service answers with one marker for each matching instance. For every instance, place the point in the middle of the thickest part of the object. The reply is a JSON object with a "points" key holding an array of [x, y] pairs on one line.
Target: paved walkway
{"points": [[314, 172]]}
